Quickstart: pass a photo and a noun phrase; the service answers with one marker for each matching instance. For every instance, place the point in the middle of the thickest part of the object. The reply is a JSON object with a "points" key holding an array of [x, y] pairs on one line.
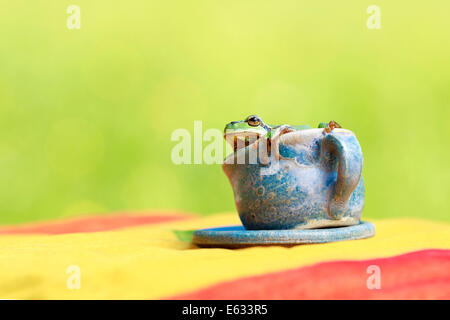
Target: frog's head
{"points": [[247, 131]]}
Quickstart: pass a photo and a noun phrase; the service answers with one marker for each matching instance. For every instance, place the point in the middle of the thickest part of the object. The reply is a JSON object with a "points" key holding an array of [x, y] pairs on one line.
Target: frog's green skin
{"points": [[244, 131]]}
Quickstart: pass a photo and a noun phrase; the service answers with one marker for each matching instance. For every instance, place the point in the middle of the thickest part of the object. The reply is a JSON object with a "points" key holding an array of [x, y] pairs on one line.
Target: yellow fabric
{"points": [[149, 262]]}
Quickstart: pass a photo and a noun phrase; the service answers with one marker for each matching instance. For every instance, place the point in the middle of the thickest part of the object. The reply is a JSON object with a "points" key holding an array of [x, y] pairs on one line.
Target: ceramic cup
{"points": [[319, 185]]}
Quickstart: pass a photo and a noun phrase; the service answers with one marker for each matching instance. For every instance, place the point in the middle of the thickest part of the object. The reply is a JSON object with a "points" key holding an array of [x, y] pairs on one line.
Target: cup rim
{"points": [[297, 137], [307, 135]]}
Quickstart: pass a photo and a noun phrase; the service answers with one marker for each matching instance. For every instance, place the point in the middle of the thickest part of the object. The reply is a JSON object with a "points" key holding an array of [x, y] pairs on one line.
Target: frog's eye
{"points": [[253, 121]]}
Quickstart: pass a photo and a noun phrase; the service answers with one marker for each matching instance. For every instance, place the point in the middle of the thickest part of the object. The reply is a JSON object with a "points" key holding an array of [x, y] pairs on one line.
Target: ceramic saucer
{"points": [[238, 236]]}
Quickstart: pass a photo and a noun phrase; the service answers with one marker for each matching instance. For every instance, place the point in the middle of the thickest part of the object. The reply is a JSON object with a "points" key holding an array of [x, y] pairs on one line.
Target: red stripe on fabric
{"points": [[417, 275], [93, 223]]}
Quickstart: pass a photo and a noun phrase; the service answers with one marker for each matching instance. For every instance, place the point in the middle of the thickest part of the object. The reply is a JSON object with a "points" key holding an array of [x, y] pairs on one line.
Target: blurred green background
{"points": [[86, 115]]}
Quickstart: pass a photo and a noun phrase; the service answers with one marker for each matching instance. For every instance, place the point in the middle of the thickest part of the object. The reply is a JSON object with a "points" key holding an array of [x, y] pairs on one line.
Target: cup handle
{"points": [[345, 147]]}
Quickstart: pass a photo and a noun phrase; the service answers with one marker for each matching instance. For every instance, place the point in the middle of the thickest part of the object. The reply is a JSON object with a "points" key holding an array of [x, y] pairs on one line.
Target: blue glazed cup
{"points": [[316, 184]]}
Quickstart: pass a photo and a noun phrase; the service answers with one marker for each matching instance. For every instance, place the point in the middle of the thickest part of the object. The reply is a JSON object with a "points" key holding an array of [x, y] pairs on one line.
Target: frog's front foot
{"points": [[273, 145], [331, 126]]}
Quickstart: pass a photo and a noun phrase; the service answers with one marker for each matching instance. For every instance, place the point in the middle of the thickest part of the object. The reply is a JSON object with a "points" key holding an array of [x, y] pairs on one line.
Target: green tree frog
{"points": [[243, 133]]}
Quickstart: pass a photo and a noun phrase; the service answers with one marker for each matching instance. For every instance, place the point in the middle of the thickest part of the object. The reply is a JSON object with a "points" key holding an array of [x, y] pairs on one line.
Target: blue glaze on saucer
{"points": [[238, 236]]}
